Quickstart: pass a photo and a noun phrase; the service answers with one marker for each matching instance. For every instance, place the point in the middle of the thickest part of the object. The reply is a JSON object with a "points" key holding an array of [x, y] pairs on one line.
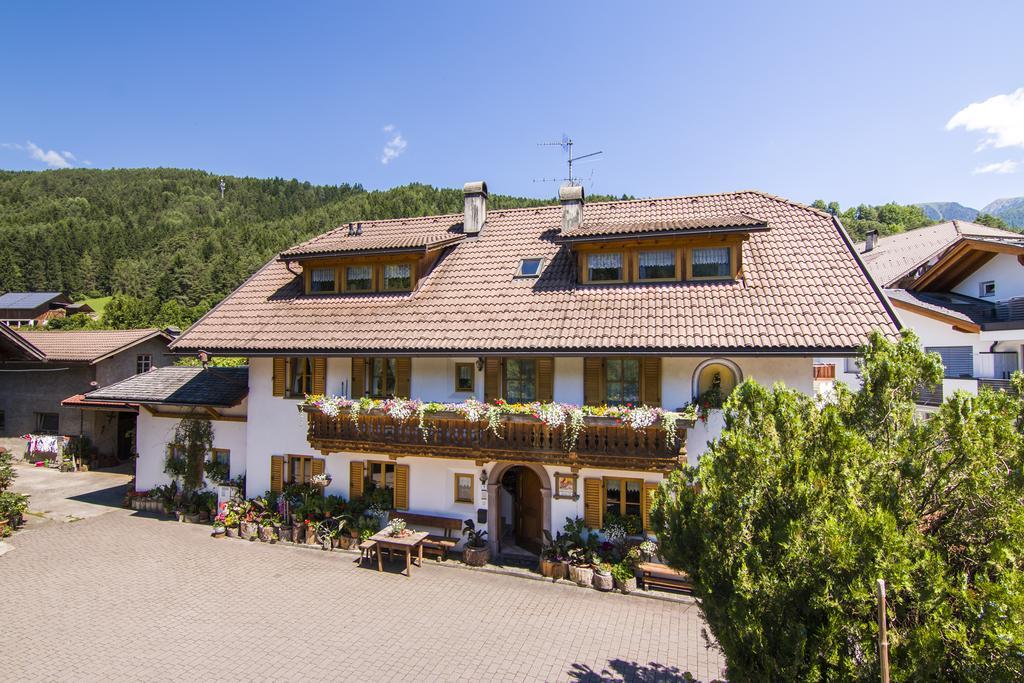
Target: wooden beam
{"points": [[957, 324]]}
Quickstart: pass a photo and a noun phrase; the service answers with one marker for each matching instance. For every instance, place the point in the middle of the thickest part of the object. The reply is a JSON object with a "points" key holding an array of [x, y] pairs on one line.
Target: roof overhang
{"points": [[418, 250], [956, 323], [19, 347], [962, 259], [153, 335], [80, 401], [798, 352], [613, 233]]}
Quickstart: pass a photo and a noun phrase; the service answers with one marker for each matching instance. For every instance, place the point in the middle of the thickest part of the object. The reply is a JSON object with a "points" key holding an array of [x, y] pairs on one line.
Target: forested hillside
{"points": [[165, 237], [891, 218]]}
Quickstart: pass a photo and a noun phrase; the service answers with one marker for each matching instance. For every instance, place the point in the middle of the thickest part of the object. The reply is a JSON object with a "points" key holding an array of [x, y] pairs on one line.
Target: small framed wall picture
{"points": [[565, 485]]}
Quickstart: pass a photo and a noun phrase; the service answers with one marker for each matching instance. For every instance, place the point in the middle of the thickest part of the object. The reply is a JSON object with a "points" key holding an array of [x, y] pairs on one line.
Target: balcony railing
{"points": [[602, 442]]}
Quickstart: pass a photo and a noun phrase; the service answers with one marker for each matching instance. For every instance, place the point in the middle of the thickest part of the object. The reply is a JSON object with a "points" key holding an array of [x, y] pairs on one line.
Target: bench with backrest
{"points": [[663, 576], [436, 544]]}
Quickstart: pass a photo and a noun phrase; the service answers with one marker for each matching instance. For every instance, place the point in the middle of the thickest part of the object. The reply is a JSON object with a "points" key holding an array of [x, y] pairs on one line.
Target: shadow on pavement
{"points": [[633, 672], [110, 497]]}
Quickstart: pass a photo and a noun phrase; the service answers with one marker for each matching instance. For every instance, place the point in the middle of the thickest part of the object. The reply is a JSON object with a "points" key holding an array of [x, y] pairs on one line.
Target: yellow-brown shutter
{"points": [[280, 375], [277, 473], [319, 375], [318, 466], [592, 516], [645, 503], [403, 377], [492, 379], [401, 487], [355, 479], [358, 378], [545, 379], [652, 381], [592, 371]]}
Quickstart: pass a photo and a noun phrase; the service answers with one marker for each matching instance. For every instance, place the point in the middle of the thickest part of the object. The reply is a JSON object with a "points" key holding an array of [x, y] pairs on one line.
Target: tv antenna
{"points": [[222, 186], [566, 144]]}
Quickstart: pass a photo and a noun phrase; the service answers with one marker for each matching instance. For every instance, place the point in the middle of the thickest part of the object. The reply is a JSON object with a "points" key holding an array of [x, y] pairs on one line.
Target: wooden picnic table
{"points": [[404, 543]]}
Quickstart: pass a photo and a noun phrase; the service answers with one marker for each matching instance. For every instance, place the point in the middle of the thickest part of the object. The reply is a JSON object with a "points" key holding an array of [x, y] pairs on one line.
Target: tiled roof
{"points": [[85, 345], [423, 233], [802, 290], [18, 347], [897, 255], [939, 305], [590, 229], [27, 300], [178, 385]]}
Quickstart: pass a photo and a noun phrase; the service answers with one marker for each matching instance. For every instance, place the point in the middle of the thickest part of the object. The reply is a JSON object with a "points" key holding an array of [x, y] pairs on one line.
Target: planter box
{"points": [[266, 533], [603, 582], [552, 569], [476, 557]]}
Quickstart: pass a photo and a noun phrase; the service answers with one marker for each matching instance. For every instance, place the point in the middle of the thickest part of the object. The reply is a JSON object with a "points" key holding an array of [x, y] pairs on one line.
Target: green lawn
{"points": [[98, 304]]}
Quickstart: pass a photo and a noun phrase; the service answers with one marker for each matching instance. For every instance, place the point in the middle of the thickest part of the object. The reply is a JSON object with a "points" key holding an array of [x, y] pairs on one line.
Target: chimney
{"points": [[476, 207], [571, 197], [869, 240]]}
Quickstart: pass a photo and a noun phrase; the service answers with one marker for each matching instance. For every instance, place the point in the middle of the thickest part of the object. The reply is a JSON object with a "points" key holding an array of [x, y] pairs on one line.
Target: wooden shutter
{"points": [[277, 473], [401, 487], [319, 375], [652, 381], [593, 368], [492, 379], [358, 378], [355, 479], [645, 503], [545, 379], [403, 377], [318, 466], [280, 375], [592, 508]]}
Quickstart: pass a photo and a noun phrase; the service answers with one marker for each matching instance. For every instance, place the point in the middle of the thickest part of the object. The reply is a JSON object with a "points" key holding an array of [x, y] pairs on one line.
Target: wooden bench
{"points": [[436, 544], [366, 550], [663, 576]]}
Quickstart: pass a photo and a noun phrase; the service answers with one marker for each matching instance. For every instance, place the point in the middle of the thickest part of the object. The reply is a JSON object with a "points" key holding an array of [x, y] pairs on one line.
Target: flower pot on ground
{"points": [[218, 529], [266, 532], [552, 569], [180, 514], [299, 533], [581, 575], [475, 553], [231, 531], [311, 538], [204, 516], [284, 532], [603, 577], [625, 578], [192, 517], [554, 556]]}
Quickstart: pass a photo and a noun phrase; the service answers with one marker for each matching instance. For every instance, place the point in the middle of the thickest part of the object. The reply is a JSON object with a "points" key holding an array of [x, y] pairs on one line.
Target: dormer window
{"points": [[656, 265], [710, 262], [358, 278], [397, 277], [322, 280], [605, 267]]}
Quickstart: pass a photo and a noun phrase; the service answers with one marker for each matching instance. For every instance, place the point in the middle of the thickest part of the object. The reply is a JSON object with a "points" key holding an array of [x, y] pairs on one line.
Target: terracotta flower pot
{"points": [[476, 557], [603, 582], [552, 569], [581, 575]]}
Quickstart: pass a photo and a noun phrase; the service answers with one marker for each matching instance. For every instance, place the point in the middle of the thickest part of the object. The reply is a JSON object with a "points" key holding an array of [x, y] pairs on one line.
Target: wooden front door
{"points": [[529, 511]]}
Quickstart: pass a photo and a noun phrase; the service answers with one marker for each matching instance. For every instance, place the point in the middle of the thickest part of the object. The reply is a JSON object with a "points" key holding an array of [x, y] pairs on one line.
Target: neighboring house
{"points": [[167, 394], [31, 309], [960, 287], [643, 301], [51, 366]]}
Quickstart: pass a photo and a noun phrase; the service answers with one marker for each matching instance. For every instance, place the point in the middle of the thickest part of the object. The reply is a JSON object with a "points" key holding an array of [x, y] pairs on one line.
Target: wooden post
{"points": [[883, 633]]}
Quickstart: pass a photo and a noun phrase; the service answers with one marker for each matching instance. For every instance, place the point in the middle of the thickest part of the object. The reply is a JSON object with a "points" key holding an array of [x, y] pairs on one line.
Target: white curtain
{"points": [[396, 270], [711, 255], [605, 261], [666, 257], [322, 278]]}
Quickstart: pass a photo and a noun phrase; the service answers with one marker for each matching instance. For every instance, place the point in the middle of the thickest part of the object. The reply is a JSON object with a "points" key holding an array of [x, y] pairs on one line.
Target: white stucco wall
{"points": [[1004, 270], [154, 433]]}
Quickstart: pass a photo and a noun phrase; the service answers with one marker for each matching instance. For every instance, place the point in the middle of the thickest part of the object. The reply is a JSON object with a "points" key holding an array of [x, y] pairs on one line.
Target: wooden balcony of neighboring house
{"points": [[824, 371], [603, 442]]}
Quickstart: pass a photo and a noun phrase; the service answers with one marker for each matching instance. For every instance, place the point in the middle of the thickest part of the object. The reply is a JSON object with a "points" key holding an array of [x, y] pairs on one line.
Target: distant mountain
{"points": [[1010, 209], [948, 211]]}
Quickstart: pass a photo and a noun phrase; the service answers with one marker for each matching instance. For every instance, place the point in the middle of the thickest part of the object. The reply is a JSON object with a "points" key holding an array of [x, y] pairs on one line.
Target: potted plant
{"points": [[266, 528], [475, 552], [625, 576], [603, 576], [553, 556], [582, 551]]}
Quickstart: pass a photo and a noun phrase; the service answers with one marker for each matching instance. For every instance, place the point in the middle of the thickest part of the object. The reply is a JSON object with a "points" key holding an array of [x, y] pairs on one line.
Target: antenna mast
{"points": [[566, 144]]}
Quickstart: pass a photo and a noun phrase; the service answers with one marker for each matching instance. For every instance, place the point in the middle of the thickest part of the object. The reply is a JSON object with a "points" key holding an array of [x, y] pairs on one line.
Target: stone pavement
{"points": [[127, 596], [68, 496]]}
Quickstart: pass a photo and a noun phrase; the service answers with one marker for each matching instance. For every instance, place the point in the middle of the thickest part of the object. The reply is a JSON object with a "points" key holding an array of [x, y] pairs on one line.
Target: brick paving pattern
{"points": [[125, 596]]}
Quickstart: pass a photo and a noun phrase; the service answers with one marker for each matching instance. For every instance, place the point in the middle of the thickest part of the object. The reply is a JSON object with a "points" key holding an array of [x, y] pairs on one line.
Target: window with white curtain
{"points": [[398, 276], [321, 280], [657, 265], [710, 262], [359, 278], [604, 267]]}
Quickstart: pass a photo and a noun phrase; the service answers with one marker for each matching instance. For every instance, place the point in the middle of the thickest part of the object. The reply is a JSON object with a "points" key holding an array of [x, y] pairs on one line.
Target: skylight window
{"points": [[530, 267]]}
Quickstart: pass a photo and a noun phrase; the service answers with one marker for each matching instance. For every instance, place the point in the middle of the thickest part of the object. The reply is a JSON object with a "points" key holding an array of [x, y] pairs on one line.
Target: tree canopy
{"points": [[887, 219], [801, 504]]}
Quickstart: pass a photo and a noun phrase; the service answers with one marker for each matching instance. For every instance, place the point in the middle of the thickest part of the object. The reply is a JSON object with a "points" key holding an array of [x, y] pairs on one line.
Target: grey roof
{"points": [[27, 299], [177, 385], [955, 306]]}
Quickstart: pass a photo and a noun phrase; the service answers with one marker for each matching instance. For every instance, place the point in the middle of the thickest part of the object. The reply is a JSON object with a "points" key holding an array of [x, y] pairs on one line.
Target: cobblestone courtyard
{"points": [[125, 596]]}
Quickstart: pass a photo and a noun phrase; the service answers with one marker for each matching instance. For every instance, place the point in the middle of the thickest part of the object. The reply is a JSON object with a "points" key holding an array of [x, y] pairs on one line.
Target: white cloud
{"points": [[1001, 118], [1008, 166], [50, 157], [394, 147]]}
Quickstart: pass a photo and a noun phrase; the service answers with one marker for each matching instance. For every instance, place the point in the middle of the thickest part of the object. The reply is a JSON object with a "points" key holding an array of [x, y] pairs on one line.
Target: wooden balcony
{"points": [[602, 442]]}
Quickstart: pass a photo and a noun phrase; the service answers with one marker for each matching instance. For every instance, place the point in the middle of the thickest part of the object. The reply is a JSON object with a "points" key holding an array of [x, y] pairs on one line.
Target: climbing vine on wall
{"points": [[193, 439]]}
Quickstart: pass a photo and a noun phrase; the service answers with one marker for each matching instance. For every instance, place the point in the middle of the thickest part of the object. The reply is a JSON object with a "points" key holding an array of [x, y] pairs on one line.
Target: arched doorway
{"points": [[519, 508]]}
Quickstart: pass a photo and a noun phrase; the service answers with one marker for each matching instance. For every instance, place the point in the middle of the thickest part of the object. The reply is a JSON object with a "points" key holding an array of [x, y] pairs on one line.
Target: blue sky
{"points": [[845, 101]]}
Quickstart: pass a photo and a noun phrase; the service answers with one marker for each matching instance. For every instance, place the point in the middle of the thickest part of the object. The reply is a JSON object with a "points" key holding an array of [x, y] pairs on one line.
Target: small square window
{"points": [[222, 455], [47, 423], [321, 280], [657, 265], [464, 376], [359, 278], [529, 267], [463, 488], [987, 288], [397, 276], [143, 363], [604, 267]]}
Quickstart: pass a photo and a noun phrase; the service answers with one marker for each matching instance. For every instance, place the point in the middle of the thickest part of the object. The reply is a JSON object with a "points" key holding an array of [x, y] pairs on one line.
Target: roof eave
{"points": [[684, 232]]}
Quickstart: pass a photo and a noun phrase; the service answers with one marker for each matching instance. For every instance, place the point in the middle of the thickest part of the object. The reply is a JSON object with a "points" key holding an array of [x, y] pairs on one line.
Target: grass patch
{"points": [[98, 304]]}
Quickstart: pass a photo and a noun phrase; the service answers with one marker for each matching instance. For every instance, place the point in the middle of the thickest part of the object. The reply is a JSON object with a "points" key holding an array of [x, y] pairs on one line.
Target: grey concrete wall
{"points": [[27, 389], [122, 365]]}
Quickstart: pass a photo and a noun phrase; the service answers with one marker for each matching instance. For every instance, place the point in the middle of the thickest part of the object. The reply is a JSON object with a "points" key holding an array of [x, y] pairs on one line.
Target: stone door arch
{"points": [[494, 499]]}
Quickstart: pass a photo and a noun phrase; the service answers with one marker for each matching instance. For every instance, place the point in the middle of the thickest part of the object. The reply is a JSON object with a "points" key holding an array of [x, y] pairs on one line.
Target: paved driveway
{"points": [[126, 596]]}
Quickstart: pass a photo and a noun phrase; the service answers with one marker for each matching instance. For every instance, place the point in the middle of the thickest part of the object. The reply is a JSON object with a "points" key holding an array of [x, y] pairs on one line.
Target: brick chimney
{"points": [[870, 239], [571, 197], [476, 207]]}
